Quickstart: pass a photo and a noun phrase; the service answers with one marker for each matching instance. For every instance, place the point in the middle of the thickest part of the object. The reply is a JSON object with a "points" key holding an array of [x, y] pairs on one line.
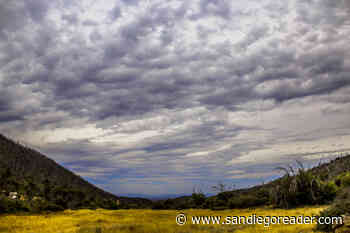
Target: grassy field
{"points": [[146, 221]]}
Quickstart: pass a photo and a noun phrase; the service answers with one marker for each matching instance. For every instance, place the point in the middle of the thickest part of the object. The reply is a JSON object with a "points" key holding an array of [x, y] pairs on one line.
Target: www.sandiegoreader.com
{"points": [[253, 219]]}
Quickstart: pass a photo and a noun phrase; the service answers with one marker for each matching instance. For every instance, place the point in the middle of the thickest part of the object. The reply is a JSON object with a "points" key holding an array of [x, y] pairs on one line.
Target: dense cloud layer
{"points": [[159, 96]]}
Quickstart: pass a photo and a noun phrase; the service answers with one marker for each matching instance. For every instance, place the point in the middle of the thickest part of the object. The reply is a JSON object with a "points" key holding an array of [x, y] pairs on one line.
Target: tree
{"points": [[198, 197]]}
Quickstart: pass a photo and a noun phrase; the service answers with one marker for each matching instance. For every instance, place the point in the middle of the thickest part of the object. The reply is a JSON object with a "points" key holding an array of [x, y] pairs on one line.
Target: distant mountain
{"points": [[156, 197], [34, 176]]}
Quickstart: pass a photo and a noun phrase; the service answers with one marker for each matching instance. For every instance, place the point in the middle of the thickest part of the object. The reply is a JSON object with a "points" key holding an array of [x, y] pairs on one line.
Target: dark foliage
{"points": [[339, 208], [302, 187], [44, 185]]}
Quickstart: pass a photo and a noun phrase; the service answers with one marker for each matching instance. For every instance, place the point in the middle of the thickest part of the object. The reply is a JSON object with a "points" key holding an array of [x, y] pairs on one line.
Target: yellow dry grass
{"points": [[147, 221]]}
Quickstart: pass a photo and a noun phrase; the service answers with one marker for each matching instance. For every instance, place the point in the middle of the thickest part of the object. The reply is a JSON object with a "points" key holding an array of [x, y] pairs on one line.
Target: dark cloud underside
{"points": [[132, 92]]}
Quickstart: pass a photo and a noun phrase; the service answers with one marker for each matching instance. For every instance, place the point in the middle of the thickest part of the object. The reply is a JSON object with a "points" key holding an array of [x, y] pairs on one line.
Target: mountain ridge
{"points": [[23, 168]]}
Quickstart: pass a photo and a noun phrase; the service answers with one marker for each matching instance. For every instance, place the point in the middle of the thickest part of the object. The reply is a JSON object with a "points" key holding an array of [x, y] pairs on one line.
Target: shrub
{"points": [[245, 201], [337, 209], [328, 191], [224, 196], [159, 205], [301, 187], [10, 206], [7, 205], [198, 199], [209, 203], [345, 180]]}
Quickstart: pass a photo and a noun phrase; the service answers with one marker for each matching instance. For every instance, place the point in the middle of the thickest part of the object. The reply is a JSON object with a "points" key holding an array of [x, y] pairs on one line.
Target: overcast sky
{"points": [[157, 97]]}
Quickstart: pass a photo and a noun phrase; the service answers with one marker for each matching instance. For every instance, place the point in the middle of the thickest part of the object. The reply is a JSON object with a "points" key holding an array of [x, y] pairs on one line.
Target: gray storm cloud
{"points": [[135, 91]]}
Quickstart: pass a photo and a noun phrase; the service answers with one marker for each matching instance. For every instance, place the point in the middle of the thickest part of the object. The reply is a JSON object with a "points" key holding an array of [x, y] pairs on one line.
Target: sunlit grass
{"points": [[146, 221]]}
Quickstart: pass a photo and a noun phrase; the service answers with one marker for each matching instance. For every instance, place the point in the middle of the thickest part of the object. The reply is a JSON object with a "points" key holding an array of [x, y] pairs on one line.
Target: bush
{"points": [[246, 201], [7, 205], [225, 196], [198, 199], [219, 204], [209, 203], [328, 192], [345, 180], [337, 209], [214, 203], [11, 206], [301, 187], [159, 205]]}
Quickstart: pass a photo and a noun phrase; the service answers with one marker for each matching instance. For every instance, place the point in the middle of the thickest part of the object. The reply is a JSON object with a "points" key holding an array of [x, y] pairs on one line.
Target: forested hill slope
{"points": [[32, 174]]}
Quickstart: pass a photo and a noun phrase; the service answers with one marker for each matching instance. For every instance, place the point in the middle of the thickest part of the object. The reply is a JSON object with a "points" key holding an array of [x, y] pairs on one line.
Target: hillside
{"points": [[35, 176], [298, 187]]}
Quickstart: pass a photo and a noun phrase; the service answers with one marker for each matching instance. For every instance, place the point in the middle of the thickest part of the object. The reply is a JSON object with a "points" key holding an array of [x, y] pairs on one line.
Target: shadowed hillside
{"points": [[35, 177]]}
